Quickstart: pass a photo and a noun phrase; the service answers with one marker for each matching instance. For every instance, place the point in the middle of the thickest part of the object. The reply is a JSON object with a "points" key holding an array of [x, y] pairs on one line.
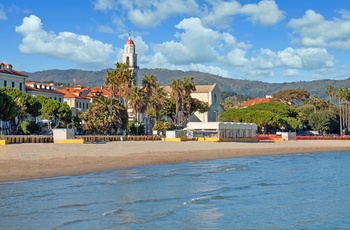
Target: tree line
{"points": [[297, 110]]}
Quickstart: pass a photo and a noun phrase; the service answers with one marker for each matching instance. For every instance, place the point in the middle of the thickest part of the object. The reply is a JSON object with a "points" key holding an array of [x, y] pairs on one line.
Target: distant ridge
{"points": [[165, 76]]}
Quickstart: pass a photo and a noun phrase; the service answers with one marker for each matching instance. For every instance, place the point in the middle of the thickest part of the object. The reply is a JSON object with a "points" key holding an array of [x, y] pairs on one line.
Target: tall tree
{"points": [[177, 93], [123, 79], [330, 93], [188, 87], [149, 83], [157, 100], [138, 101]]}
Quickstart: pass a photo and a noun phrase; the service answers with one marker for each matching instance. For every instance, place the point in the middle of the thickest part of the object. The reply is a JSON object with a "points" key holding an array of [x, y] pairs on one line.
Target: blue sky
{"points": [[270, 41]]}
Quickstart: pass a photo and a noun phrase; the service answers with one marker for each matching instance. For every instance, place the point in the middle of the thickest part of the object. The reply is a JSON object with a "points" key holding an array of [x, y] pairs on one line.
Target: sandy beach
{"points": [[29, 161]]}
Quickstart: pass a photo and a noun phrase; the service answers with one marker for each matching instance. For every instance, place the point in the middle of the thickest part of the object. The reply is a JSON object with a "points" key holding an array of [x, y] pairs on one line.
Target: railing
{"points": [[274, 137], [27, 139]]}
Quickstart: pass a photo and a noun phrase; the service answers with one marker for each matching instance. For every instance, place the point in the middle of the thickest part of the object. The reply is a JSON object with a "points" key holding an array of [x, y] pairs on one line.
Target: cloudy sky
{"points": [[265, 40]]}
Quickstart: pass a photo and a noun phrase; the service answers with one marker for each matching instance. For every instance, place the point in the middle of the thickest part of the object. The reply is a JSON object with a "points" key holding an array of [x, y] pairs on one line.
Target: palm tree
{"points": [[149, 83], [102, 118], [330, 93], [120, 80], [189, 87], [158, 100], [341, 96], [177, 93], [138, 101]]}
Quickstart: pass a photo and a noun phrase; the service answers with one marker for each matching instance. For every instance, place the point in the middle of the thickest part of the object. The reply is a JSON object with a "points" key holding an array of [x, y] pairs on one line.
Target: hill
{"points": [[164, 76]]}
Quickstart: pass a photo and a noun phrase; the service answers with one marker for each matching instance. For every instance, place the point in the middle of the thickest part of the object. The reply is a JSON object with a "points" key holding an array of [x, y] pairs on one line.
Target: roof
{"points": [[204, 88], [69, 94], [129, 41], [256, 101], [29, 88], [13, 72]]}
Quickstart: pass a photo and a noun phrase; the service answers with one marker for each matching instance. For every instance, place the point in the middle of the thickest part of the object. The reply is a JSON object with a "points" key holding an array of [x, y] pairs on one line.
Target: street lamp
{"points": [[137, 125]]}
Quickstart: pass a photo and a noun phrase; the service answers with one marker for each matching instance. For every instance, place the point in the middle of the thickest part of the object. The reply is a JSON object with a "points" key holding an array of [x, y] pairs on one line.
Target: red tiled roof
{"points": [[68, 94], [13, 72], [255, 101]]}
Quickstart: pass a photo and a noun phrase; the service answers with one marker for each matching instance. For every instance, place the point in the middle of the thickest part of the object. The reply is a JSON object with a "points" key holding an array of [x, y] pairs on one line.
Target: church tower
{"points": [[130, 57]]}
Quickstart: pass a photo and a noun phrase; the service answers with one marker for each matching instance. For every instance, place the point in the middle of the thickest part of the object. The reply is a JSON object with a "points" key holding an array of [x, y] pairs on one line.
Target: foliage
{"points": [[50, 108], [324, 121], [29, 127], [7, 107], [161, 126], [25, 105], [291, 96], [133, 130], [270, 117], [105, 116]]}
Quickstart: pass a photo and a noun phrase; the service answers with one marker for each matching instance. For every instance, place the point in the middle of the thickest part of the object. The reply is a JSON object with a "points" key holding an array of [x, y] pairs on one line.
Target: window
{"points": [[215, 99], [20, 86], [5, 83], [59, 99], [13, 84], [55, 98], [76, 104]]}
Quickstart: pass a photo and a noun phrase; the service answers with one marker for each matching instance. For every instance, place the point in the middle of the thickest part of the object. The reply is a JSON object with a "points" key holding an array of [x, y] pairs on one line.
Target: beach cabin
{"points": [[222, 131]]}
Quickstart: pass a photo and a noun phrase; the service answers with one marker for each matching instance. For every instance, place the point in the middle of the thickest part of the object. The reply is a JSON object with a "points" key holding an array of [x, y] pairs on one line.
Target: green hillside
{"points": [[164, 76]]}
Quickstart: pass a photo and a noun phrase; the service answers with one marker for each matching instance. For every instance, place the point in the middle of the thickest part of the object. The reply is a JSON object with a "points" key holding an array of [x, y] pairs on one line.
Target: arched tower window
{"points": [[215, 99], [127, 61]]}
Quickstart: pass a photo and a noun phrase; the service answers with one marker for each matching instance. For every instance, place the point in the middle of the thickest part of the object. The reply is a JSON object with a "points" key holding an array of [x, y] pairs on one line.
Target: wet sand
{"points": [[32, 160]]}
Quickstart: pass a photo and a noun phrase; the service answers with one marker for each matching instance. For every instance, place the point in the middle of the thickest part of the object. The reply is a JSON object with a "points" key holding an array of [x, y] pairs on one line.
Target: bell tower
{"points": [[130, 57]]}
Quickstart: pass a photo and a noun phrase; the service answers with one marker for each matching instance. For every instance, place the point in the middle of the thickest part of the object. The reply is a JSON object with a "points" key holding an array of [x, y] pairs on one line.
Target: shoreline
{"points": [[28, 161]]}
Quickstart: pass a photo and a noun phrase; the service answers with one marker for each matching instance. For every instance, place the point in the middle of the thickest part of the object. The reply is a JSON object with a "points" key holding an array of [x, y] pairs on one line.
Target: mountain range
{"points": [[165, 76]]}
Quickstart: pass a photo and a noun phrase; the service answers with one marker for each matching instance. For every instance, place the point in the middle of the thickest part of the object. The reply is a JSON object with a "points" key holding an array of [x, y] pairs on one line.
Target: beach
{"points": [[43, 160]]}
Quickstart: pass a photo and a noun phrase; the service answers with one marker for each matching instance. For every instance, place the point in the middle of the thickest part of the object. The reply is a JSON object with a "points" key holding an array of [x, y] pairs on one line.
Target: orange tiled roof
{"points": [[255, 101], [14, 72], [69, 94]]}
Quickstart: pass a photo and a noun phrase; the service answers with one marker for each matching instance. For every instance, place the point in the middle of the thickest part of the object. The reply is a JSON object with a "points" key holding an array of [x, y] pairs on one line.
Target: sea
{"points": [[301, 191]]}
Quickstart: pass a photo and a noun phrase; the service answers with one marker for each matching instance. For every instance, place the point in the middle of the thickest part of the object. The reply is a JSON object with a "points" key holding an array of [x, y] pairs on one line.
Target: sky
{"points": [[265, 40]]}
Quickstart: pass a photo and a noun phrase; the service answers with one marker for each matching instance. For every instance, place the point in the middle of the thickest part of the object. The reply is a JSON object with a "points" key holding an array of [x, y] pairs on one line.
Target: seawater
{"points": [[303, 191]]}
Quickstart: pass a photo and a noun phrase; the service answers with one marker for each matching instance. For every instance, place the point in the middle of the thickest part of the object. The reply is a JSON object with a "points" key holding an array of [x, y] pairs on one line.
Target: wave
{"points": [[73, 205], [205, 199], [113, 212]]}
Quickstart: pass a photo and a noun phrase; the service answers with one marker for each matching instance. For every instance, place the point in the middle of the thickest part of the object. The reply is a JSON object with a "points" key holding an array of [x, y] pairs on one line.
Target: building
{"points": [[227, 130], [45, 89], [130, 57], [210, 94], [76, 99], [11, 78]]}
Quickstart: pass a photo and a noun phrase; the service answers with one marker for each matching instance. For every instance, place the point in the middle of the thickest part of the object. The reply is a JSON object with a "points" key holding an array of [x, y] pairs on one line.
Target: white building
{"points": [[11, 78]]}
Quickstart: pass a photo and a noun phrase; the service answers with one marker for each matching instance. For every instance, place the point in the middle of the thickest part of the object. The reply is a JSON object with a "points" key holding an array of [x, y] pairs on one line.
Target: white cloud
{"points": [[104, 4], [150, 15], [2, 13], [80, 49], [265, 13], [196, 44], [292, 72], [315, 31]]}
